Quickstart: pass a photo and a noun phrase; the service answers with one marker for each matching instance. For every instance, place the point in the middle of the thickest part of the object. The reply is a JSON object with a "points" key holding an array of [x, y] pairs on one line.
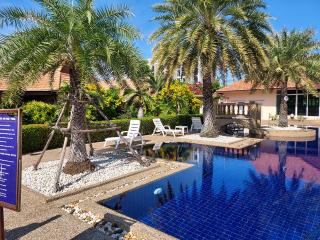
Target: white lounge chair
{"points": [[196, 124], [132, 135], [164, 129]]}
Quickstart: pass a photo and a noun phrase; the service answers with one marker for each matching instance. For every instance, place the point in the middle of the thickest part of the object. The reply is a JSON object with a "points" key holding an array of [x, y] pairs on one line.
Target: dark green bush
{"points": [[35, 136]]}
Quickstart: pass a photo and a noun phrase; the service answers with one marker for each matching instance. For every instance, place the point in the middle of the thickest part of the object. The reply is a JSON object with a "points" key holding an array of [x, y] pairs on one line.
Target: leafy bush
{"points": [[36, 112], [35, 136], [177, 98], [110, 101]]}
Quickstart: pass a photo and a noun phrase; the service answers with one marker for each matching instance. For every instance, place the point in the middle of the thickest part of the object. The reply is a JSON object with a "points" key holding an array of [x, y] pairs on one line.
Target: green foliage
{"points": [[138, 93], [110, 102], [293, 57], [36, 112], [95, 43], [34, 136], [177, 98], [157, 83], [188, 36]]}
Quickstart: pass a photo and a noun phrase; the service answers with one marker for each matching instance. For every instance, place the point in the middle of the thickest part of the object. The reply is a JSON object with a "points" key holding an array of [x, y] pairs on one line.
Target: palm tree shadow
{"points": [[19, 232]]}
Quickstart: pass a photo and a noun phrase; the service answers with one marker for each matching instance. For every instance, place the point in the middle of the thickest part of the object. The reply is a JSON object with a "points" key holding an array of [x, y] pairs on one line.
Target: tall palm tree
{"points": [[93, 43], [294, 57], [224, 37]]}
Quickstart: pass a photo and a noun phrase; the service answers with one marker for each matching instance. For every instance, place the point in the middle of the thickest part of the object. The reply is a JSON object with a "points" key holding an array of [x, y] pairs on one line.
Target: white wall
{"points": [[268, 101]]}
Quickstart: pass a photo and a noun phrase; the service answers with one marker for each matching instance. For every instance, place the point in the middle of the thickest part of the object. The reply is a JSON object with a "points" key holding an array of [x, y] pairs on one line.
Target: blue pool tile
{"points": [[267, 194]]}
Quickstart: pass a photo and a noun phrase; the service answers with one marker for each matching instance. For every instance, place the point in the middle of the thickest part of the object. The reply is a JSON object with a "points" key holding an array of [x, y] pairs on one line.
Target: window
{"points": [[302, 105], [313, 106]]}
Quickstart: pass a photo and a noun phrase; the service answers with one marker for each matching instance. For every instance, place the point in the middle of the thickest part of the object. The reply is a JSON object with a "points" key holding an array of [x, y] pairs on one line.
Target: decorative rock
{"points": [[108, 165]]}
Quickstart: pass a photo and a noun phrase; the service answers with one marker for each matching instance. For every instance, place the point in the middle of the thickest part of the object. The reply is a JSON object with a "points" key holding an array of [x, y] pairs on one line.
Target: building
{"points": [[299, 103], [45, 88], [180, 74]]}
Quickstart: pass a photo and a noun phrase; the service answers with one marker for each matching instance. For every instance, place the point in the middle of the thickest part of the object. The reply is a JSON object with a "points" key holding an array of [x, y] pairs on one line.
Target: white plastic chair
{"points": [[196, 124], [132, 135], [164, 129]]}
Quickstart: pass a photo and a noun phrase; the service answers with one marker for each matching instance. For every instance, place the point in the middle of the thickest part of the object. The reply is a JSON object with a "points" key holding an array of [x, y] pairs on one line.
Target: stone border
{"points": [[291, 135]]}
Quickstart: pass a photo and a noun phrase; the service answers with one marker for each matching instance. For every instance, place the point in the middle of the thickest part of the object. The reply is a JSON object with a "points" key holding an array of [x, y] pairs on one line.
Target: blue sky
{"points": [[297, 14]]}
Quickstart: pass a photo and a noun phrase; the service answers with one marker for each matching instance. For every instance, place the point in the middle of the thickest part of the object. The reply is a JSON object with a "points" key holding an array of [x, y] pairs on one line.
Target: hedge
{"points": [[34, 136]]}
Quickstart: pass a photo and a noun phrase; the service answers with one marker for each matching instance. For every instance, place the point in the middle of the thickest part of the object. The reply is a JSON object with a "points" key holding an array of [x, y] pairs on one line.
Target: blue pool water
{"points": [[271, 191]]}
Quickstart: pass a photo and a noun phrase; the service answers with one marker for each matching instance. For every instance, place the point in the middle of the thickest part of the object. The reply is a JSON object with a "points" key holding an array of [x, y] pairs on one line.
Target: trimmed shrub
{"points": [[36, 112], [35, 136]]}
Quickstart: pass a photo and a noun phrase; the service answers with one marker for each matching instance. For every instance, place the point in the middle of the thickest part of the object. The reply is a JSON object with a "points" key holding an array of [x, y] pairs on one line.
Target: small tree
{"points": [[293, 57], [139, 96], [93, 43]]}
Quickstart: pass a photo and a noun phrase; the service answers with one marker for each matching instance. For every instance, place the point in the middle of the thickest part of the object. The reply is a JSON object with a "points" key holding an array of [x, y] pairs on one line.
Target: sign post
{"points": [[10, 162]]}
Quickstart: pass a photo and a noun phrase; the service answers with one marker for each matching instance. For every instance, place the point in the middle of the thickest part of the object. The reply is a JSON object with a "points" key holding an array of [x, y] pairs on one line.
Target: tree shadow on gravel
{"points": [[19, 232]]}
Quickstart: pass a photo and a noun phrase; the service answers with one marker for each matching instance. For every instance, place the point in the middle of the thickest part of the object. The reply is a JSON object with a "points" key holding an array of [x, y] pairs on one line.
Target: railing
{"points": [[249, 110]]}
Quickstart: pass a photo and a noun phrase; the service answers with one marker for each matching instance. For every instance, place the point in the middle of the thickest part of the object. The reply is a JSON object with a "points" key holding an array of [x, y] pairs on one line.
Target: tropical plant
{"points": [[94, 43], [177, 99], [110, 101], [157, 83], [223, 37], [294, 57], [36, 112], [139, 96]]}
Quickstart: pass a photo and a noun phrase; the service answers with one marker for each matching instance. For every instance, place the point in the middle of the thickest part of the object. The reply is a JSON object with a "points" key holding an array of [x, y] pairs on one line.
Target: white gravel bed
{"points": [[219, 139], [108, 166]]}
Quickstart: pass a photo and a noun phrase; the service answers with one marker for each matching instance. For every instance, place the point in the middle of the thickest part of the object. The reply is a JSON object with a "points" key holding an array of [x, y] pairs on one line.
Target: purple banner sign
{"points": [[10, 176]]}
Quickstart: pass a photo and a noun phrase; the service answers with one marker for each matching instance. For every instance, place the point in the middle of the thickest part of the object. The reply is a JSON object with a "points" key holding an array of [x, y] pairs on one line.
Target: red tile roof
{"points": [[242, 85], [44, 83]]}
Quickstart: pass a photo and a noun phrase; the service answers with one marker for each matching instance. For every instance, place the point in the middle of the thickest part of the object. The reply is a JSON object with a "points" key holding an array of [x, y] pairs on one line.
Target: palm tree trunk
{"points": [[140, 112], [283, 114], [209, 115], [282, 151], [78, 161]]}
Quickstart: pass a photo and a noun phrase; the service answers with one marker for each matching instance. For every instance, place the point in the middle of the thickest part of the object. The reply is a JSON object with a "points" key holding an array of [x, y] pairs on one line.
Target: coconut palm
{"points": [[293, 58], [222, 37], [93, 43]]}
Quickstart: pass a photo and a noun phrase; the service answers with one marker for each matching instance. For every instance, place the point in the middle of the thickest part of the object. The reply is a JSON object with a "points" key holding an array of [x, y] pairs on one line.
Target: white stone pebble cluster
{"points": [[108, 166], [112, 230]]}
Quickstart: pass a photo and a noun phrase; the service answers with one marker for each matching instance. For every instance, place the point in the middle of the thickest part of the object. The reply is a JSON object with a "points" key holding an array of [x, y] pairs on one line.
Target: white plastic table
{"points": [[184, 129]]}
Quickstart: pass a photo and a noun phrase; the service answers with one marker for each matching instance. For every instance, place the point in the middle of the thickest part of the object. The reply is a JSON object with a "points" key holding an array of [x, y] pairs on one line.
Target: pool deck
{"points": [[241, 144]]}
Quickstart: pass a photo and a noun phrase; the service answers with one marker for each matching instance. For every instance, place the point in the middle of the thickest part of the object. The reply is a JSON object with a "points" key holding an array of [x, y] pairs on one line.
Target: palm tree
{"points": [[223, 37], [139, 96], [157, 83], [93, 43], [293, 58]]}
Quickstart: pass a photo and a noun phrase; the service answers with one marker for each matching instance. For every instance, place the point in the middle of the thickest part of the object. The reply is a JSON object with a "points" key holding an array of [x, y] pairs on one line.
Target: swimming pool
{"points": [[271, 192]]}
